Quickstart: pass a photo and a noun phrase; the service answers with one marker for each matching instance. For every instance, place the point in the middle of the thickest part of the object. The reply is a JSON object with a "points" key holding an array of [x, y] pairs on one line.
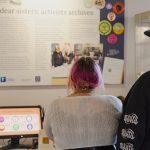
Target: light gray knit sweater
{"points": [[83, 121]]}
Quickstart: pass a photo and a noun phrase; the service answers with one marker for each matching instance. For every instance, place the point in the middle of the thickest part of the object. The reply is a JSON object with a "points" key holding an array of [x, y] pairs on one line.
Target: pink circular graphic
{"points": [[112, 39], [1, 119], [109, 6]]}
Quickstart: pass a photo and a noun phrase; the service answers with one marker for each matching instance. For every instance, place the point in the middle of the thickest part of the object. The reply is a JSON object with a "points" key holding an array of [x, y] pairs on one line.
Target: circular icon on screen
{"points": [[100, 4], [29, 118], [118, 8], [16, 127], [15, 119], [112, 39], [118, 28], [109, 6], [105, 27], [29, 126], [1, 119], [2, 127], [111, 16]]}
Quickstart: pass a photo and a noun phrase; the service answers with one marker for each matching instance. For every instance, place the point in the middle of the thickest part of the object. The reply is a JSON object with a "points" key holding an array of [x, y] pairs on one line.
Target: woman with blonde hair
{"points": [[85, 119]]}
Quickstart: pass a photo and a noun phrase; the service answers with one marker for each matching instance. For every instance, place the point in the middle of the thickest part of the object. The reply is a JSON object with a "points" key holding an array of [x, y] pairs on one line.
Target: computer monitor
{"points": [[18, 122]]}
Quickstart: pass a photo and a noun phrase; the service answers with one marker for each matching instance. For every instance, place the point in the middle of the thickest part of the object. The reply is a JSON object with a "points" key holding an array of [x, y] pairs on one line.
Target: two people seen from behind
{"points": [[86, 119]]}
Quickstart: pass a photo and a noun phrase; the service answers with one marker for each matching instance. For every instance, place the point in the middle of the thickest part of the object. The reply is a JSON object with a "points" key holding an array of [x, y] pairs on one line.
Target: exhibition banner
{"points": [[41, 39]]}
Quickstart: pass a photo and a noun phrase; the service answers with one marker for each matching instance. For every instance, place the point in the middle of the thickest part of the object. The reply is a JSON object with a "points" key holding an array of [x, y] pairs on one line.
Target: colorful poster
{"points": [[112, 36], [113, 42]]}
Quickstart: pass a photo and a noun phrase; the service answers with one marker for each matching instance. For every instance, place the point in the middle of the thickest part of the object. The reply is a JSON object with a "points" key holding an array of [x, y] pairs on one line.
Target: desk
{"points": [[41, 145]]}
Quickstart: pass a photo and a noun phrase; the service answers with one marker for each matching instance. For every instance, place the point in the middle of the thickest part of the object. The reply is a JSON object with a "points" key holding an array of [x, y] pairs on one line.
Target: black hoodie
{"points": [[134, 127]]}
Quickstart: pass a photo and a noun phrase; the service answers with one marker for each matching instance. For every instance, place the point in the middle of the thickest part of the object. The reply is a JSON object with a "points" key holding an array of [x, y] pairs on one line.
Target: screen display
{"points": [[20, 121]]}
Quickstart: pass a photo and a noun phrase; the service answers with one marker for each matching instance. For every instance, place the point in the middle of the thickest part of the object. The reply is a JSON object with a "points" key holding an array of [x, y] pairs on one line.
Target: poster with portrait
{"points": [[40, 40]]}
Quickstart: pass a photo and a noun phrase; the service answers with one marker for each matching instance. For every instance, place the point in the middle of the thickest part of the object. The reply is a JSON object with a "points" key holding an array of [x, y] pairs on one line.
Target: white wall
{"points": [[43, 95]]}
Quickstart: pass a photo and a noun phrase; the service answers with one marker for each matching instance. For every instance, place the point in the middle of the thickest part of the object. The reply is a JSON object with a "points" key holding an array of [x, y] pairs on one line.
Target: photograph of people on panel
{"points": [[57, 56]]}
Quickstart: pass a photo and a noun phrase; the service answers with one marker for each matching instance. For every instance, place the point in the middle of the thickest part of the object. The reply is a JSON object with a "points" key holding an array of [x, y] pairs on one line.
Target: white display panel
{"points": [[31, 29]]}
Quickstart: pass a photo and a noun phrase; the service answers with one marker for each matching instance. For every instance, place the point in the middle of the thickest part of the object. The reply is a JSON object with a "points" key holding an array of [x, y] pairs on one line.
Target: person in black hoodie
{"points": [[134, 127]]}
